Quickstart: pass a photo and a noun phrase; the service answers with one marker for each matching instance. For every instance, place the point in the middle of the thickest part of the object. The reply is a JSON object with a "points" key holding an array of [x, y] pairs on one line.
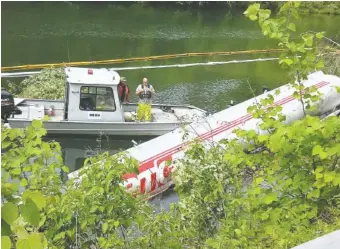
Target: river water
{"points": [[51, 32]]}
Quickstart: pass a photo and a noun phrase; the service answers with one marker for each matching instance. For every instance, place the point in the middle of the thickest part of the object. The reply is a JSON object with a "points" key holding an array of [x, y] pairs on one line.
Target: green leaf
{"points": [[262, 138], [104, 227], [9, 212], [116, 223], [252, 10], [27, 168], [316, 150], [314, 194], [65, 169], [269, 198], [308, 38], [15, 171], [264, 14], [23, 182], [295, 13], [93, 209], [42, 221], [319, 169], [320, 64], [238, 232], [33, 241], [296, 95], [5, 228], [337, 89], [264, 216], [323, 155], [37, 123], [320, 35], [297, 4], [318, 175], [19, 230], [329, 176], [30, 212], [258, 180], [292, 27], [288, 61], [36, 197], [336, 180], [253, 17], [5, 242], [59, 236]]}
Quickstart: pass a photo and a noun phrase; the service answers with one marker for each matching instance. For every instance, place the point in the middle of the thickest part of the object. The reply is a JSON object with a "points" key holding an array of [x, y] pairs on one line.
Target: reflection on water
{"points": [[76, 149]]}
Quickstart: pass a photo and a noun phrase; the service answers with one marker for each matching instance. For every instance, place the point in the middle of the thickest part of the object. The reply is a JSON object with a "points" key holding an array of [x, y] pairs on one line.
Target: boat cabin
{"points": [[92, 95]]}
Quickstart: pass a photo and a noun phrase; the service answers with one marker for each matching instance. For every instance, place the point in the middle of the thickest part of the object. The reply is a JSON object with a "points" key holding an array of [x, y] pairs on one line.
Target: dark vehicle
{"points": [[7, 105]]}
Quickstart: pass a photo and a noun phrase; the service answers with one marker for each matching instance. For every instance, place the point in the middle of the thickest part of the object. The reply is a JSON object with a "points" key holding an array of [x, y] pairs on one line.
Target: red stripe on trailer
{"points": [[149, 163]]}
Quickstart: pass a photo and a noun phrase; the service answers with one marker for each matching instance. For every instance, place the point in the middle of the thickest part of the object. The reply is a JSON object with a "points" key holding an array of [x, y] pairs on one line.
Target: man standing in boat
{"points": [[123, 91], [145, 93]]}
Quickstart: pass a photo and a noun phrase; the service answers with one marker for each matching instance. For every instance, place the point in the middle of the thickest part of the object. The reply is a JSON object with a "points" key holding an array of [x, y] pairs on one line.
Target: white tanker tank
{"points": [[155, 176]]}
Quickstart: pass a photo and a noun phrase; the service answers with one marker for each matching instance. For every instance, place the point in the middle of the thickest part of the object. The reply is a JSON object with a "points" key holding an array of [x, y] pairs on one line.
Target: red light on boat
{"points": [[90, 71]]}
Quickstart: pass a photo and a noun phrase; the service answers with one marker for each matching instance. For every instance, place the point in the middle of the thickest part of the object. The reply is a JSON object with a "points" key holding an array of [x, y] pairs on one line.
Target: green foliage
{"points": [[328, 7], [49, 84], [6, 242], [280, 197], [98, 210], [39, 210], [299, 56], [29, 180]]}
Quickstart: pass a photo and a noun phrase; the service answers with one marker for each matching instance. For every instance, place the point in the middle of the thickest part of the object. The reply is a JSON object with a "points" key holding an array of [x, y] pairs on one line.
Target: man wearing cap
{"points": [[123, 91]]}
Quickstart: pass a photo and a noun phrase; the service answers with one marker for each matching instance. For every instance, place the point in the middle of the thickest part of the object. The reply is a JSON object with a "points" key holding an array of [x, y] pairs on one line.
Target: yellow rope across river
{"points": [[135, 59]]}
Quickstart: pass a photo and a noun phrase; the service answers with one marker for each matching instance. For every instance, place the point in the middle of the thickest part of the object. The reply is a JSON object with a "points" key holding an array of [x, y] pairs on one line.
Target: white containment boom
{"points": [[155, 176]]}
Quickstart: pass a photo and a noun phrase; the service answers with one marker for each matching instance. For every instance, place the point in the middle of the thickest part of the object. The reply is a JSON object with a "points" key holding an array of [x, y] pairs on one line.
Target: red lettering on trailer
{"points": [[153, 182], [142, 185]]}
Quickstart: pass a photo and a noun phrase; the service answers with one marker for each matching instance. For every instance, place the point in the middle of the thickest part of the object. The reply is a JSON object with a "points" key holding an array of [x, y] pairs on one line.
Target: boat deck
{"points": [[160, 113]]}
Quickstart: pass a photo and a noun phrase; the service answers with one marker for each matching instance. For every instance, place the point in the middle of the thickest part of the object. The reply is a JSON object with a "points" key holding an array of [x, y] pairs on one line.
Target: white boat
{"points": [[91, 107]]}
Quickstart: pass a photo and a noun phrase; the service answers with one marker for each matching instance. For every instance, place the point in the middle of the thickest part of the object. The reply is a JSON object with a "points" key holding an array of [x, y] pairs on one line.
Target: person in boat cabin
{"points": [[145, 91], [123, 91]]}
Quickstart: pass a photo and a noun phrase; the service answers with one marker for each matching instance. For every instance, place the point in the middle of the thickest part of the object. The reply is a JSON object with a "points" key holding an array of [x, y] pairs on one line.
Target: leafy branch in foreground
{"points": [[40, 211], [30, 185], [299, 56]]}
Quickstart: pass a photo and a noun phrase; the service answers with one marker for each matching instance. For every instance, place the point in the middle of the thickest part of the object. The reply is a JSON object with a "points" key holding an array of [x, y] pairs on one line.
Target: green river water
{"points": [[51, 32]]}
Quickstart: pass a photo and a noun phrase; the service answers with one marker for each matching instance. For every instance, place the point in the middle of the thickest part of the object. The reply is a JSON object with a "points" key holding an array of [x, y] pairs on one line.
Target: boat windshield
{"points": [[97, 99]]}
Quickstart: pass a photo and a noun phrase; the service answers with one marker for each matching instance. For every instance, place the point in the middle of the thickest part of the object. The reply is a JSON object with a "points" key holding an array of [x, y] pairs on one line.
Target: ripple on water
{"points": [[208, 91], [164, 32]]}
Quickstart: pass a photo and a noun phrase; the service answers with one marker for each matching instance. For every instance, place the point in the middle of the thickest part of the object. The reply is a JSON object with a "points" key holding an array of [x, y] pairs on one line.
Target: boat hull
{"points": [[104, 128]]}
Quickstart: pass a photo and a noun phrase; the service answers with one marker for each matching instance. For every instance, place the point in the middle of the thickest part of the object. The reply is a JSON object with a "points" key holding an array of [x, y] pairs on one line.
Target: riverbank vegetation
{"points": [[270, 191], [48, 84]]}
